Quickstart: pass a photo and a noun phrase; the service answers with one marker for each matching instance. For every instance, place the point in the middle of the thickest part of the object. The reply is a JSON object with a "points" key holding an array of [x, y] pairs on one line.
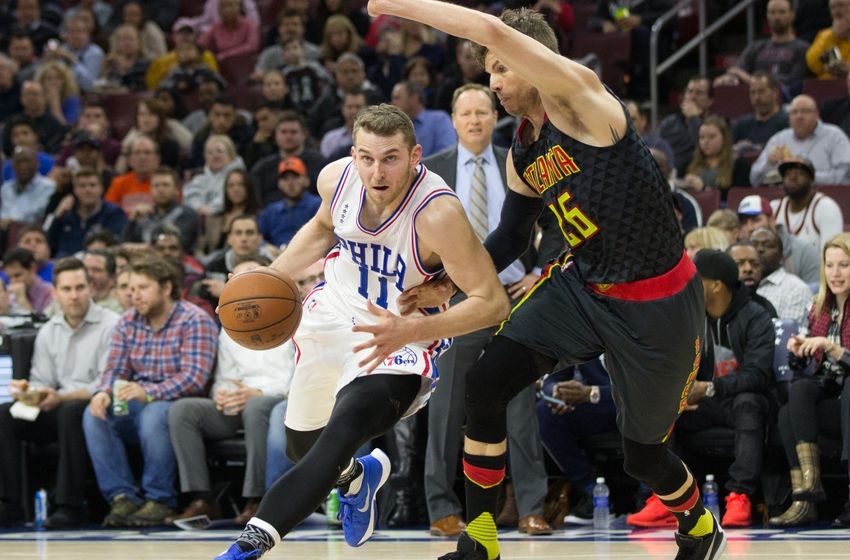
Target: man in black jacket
{"points": [[743, 337]]}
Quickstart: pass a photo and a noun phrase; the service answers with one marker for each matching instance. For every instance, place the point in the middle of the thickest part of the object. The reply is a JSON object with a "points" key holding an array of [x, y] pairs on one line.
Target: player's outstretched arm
{"points": [[316, 237], [574, 98]]}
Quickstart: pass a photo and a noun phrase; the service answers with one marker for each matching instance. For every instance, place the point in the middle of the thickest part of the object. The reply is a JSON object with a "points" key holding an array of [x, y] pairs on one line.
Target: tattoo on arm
{"points": [[615, 136]]}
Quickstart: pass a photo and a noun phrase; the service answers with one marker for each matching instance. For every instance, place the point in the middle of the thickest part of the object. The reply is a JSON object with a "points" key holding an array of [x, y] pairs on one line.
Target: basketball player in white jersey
{"points": [[386, 224]]}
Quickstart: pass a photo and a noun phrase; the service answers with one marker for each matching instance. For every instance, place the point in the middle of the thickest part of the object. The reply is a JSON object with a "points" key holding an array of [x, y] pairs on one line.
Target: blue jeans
{"points": [[147, 426], [277, 463]]}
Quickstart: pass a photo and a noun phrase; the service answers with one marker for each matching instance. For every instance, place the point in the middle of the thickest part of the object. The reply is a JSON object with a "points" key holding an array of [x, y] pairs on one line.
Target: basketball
{"points": [[260, 309]]}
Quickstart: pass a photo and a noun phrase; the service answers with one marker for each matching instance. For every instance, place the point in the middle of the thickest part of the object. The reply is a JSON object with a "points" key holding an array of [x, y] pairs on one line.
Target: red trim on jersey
{"points": [[648, 289], [297, 351], [427, 365], [414, 239], [687, 504], [398, 211], [342, 180], [485, 478], [332, 255]]}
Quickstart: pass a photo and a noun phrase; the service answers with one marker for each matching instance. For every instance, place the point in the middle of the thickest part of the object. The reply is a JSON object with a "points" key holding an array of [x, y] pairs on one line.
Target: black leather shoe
{"points": [[843, 519], [66, 518]]}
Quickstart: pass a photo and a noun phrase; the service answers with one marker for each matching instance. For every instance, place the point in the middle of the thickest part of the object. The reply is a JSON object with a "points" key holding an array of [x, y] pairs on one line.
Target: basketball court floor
{"points": [[319, 543]]}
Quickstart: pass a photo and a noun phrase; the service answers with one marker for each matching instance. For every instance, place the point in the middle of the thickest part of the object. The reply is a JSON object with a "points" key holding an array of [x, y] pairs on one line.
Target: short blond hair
{"points": [[385, 120]]}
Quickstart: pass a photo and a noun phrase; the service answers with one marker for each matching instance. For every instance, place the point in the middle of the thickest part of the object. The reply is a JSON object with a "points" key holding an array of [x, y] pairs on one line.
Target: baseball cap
{"points": [[713, 264], [753, 205], [84, 138], [790, 163], [292, 164]]}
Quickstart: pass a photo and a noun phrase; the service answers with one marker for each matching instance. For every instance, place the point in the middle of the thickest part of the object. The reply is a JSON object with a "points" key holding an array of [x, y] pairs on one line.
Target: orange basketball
{"points": [[260, 309]]}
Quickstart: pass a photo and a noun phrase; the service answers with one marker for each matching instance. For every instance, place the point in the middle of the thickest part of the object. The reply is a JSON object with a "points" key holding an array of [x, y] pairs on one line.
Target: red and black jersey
{"points": [[614, 205]]}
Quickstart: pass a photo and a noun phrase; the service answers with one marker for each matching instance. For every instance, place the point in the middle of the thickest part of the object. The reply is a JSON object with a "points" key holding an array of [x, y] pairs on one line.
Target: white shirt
{"points": [[790, 296], [270, 370], [816, 224]]}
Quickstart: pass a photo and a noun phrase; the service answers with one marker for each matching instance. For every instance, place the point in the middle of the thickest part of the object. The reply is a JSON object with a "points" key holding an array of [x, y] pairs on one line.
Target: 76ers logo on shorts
{"points": [[404, 357]]}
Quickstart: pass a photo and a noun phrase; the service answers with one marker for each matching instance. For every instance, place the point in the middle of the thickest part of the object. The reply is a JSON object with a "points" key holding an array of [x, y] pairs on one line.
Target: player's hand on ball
{"points": [[390, 333], [430, 294]]}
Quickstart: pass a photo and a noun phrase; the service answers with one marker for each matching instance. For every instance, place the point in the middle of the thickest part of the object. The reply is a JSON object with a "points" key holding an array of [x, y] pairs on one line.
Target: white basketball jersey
{"points": [[377, 264]]}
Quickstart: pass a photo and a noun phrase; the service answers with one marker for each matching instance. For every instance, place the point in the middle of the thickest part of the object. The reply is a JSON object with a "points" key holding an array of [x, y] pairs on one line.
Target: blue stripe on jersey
{"points": [[342, 180], [415, 238]]}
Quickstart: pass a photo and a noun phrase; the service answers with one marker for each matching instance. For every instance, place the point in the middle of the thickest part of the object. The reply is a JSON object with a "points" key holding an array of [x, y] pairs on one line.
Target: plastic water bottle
{"points": [[601, 512], [40, 508], [332, 508], [709, 496]]}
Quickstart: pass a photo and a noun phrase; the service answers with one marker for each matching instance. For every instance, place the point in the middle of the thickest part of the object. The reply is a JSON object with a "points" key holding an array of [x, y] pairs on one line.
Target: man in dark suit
{"points": [[474, 117]]}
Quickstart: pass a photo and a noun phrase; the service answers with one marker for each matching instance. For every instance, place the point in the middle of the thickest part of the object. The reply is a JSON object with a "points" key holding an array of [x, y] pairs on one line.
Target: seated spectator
{"points": [[69, 356], [240, 198], [339, 37], [24, 135], [386, 67], [134, 187], [262, 144], [789, 295], [705, 238], [750, 271], [782, 54], [728, 221], [417, 39], [243, 240], [150, 35], [588, 410], [61, 91], [825, 145], [101, 10], [173, 105], [100, 239], [95, 123], [87, 153], [465, 70], [24, 198], [26, 290], [687, 209], [161, 66], [306, 80], [336, 143], [210, 88], [205, 192], [10, 88], [291, 139], [419, 71], [122, 290], [162, 12], [33, 239], [752, 131], [168, 243], [124, 67], [82, 212], [282, 219], [290, 23], [79, 53], [101, 268], [434, 130], [152, 123], [233, 35], [829, 54], [837, 111], [212, 15], [640, 115], [165, 208], [681, 129], [49, 130], [22, 51], [248, 384], [190, 69], [807, 214], [818, 403], [29, 18], [163, 350], [799, 257], [223, 119], [713, 165]]}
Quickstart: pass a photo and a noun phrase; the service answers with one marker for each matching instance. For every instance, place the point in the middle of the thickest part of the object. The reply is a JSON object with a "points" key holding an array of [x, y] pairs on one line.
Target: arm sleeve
{"points": [[510, 239]]}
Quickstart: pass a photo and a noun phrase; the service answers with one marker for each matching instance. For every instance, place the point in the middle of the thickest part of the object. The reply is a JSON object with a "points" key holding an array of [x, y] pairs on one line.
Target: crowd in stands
{"points": [[152, 148]]}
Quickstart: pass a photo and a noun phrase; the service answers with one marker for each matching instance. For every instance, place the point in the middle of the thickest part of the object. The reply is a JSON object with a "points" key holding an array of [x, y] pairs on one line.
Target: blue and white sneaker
{"points": [[358, 512], [236, 553]]}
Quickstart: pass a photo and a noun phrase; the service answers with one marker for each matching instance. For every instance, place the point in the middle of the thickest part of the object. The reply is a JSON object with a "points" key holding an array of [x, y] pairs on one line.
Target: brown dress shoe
{"points": [[196, 508], [449, 526], [249, 511], [534, 525]]}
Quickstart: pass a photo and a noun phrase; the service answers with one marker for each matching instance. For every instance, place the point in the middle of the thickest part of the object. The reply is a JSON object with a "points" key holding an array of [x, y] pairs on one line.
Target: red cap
{"points": [[292, 164]]}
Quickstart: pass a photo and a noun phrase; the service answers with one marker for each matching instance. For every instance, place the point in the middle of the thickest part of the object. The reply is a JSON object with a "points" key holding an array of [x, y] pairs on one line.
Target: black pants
{"points": [[746, 413], [813, 408], [63, 424]]}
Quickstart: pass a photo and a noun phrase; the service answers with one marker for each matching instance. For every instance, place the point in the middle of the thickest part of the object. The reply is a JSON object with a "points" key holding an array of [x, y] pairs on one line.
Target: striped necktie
{"points": [[478, 201]]}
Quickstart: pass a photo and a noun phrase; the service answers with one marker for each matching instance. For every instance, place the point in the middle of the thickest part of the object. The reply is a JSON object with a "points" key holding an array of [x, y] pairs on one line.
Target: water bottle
{"points": [[709, 496], [40, 508], [332, 507], [601, 513]]}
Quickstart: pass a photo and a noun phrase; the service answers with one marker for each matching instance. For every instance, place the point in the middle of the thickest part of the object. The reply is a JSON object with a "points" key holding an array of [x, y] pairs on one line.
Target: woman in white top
{"points": [[205, 192]]}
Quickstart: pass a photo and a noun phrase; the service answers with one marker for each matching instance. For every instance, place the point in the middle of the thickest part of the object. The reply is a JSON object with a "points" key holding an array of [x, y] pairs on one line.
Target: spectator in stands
{"points": [[124, 67], [681, 129], [240, 198], [84, 211], [168, 243], [290, 23], [165, 208], [291, 139], [807, 214], [212, 15], [164, 349], [34, 102], [782, 55], [790, 296], [101, 268], [101, 10], [210, 88], [24, 198], [79, 53], [829, 55], [325, 9], [100, 239], [152, 123], [150, 35], [162, 66], [10, 88], [25, 136], [350, 75], [282, 219], [713, 164], [233, 35], [34, 240], [747, 259], [752, 131], [87, 153], [134, 187], [705, 238], [640, 117], [122, 290], [205, 192], [388, 63], [243, 240], [419, 71], [339, 37], [799, 258], [588, 410], [728, 221], [29, 18], [687, 209], [95, 123], [22, 51], [837, 111], [464, 70], [305, 79], [434, 130], [417, 39], [68, 358], [825, 145], [742, 333], [248, 384], [337, 143], [172, 103], [275, 90], [161, 12], [262, 144], [818, 403], [223, 119], [26, 290]]}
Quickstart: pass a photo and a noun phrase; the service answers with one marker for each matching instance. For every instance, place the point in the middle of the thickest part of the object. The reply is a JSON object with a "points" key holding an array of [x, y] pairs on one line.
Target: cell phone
{"points": [[553, 400]]}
